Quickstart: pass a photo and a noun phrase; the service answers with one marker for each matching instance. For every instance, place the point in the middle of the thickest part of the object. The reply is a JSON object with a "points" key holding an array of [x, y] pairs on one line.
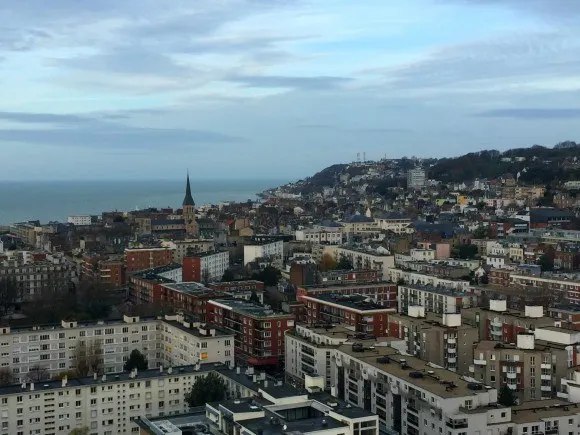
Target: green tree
{"points": [[136, 361], [344, 263], [269, 275], [6, 376], [254, 298], [79, 431], [228, 276], [506, 397], [480, 233], [206, 389], [465, 252], [546, 263], [327, 263]]}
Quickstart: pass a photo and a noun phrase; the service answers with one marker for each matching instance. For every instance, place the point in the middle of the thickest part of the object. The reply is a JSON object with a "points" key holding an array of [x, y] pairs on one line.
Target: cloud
{"points": [[319, 83], [514, 59], [561, 9], [94, 132], [522, 113]]}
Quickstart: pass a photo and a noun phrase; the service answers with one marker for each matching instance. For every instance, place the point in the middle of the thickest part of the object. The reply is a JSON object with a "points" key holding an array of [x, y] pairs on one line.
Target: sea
{"points": [[56, 200]]}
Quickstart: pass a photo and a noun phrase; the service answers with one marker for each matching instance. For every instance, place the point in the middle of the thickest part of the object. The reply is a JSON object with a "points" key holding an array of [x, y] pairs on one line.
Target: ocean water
{"points": [[55, 200]]}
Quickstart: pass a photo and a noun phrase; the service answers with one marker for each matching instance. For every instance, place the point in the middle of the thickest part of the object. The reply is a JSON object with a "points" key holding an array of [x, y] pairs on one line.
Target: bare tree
{"points": [[37, 373], [88, 358], [6, 376]]}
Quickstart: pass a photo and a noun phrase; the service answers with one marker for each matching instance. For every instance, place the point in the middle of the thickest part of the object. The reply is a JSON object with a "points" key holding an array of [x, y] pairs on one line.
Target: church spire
{"points": [[188, 200]]}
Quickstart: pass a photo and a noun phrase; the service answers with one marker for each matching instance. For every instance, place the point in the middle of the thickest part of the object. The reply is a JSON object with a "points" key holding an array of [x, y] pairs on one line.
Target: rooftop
{"points": [[354, 302], [438, 381], [250, 309], [531, 412], [190, 288], [435, 289]]}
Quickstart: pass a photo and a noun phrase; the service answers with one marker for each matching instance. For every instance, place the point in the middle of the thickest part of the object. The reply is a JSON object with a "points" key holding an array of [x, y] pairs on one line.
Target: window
{"points": [[228, 353], [109, 331], [125, 330], [228, 342], [204, 345]]}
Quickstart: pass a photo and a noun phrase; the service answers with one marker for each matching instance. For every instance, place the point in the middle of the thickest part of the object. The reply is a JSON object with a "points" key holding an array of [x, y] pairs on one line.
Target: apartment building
{"points": [[309, 349], [566, 316], [443, 340], [570, 289], [355, 312], [532, 370], [240, 289], [145, 286], [416, 178], [147, 258], [38, 273], [272, 251], [205, 267], [45, 351], [80, 220], [395, 222], [188, 297], [379, 260], [382, 293], [259, 331], [108, 270], [438, 300], [183, 248], [427, 279], [25, 231], [320, 236], [497, 323]]}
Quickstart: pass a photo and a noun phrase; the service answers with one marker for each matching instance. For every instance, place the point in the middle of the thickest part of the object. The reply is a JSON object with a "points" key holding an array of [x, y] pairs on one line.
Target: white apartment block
{"points": [[308, 352], [398, 224], [434, 299], [381, 261], [271, 250], [107, 404], [319, 236], [214, 265], [80, 220], [410, 277], [167, 341], [423, 254], [416, 178]]}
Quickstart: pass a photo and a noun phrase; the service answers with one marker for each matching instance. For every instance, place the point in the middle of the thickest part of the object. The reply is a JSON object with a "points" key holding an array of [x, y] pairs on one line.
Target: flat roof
{"points": [[195, 331], [347, 286], [431, 320], [536, 411], [352, 302], [250, 309], [191, 288], [437, 383]]}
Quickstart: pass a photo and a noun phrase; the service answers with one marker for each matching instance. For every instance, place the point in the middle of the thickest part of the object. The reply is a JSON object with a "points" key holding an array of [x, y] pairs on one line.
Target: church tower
{"points": [[191, 226]]}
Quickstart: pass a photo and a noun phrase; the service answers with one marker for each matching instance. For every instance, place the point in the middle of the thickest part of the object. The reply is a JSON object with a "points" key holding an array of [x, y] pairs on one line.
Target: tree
{"points": [[344, 263], [79, 431], [228, 276], [8, 294], [480, 233], [466, 252], [506, 397], [269, 276], [37, 373], [67, 373], [546, 263], [328, 263], [205, 276], [6, 376], [87, 359], [206, 389], [254, 298], [136, 361]]}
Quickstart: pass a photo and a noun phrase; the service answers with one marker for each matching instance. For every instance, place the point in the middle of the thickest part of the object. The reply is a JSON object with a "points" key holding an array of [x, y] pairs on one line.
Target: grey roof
{"points": [[188, 200], [358, 218]]}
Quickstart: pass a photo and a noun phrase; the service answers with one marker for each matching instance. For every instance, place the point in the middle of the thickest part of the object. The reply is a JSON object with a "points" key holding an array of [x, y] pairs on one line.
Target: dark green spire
{"points": [[188, 200]]}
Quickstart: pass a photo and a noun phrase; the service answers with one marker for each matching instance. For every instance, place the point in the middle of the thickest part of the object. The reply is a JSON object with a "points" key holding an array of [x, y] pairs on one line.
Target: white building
{"points": [[49, 350], [416, 178], [360, 259], [395, 222], [423, 254], [80, 220], [435, 299], [212, 266], [319, 236], [271, 251], [411, 277]]}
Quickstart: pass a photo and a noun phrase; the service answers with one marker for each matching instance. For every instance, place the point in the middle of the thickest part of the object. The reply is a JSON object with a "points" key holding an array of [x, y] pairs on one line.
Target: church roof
{"points": [[188, 200]]}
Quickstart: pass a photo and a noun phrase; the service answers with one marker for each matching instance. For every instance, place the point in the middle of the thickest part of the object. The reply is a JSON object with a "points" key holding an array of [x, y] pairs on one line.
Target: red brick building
{"points": [[239, 289], [567, 315], [188, 297], [147, 258], [384, 294], [259, 332], [355, 311], [499, 277], [106, 270]]}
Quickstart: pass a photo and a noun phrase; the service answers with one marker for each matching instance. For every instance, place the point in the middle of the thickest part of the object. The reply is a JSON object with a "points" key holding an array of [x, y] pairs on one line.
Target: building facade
{"points": [[137, 259], [269, 252], [206, 267], [434, 299]]}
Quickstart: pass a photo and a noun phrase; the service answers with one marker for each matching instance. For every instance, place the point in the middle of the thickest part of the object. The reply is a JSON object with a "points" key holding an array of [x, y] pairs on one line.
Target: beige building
{"points": [[438, 300], [442, 340], [45, 351], [380, 260]]}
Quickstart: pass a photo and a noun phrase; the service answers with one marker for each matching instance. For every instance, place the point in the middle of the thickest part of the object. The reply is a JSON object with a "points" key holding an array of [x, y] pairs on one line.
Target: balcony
{"points": [[471, 368], [451, 360], [452, 340], [452, 350], [546, 377], [511, 375], [545, 366], [497, 332], [512, 386], [457, 424], [496, 324], [480, 362], [546, 388]]}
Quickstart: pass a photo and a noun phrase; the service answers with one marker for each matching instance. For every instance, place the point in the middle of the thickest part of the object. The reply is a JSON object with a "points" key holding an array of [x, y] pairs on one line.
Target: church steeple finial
{"points": [[188, 200]]}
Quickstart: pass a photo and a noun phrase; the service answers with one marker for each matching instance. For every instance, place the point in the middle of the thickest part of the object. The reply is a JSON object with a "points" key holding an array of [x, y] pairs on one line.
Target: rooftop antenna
{"points": [[358, 157], [364, 156]]}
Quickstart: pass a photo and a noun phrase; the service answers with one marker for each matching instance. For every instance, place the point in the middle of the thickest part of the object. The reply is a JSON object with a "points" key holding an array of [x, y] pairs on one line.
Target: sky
{"points": [[145, 89]]}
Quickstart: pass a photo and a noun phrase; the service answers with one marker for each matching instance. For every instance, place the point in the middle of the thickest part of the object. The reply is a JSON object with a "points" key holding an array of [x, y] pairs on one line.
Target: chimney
{"points": [[197, 366], [254, 378], [238, 370], [32, 386], [266, 383], [104, 378], [23, 385], [212, 332], [170, 370], [160, 369], [95, 376], [64, 381]]}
